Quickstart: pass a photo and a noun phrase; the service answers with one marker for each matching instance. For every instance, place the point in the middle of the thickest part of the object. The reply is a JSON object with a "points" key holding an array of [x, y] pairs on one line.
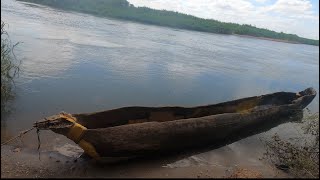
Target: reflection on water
{"points": [[80, 63]]}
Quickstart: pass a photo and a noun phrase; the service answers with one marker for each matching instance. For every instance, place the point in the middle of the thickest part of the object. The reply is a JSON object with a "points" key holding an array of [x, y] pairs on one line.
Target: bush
{"points": [[300, 157], [9, 67]]}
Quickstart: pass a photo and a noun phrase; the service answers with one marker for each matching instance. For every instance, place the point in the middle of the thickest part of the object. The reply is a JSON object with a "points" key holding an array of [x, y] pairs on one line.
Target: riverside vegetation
{"points": [[9, 67], [297, 156], [122, 9]]}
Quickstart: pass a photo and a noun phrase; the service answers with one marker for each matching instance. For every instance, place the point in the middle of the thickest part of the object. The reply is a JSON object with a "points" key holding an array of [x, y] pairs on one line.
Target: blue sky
{"points": [[299, 17]]}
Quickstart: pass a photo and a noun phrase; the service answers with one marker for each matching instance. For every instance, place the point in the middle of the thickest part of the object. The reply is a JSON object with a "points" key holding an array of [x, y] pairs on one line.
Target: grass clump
{"points": [[297, 156], [9, 67]]}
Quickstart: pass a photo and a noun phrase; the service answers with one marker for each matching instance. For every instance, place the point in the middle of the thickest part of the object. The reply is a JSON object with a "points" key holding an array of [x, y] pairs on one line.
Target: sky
{"points": [[299, 17]]}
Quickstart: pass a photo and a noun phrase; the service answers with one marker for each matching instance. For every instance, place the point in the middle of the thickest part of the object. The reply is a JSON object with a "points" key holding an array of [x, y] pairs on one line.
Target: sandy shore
{"points": [[17, 162], [268, 39]]}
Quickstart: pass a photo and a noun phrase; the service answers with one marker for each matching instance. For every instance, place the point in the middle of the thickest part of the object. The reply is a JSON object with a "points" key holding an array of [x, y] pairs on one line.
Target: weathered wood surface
{"points": [[154, 137], [140, 131]]}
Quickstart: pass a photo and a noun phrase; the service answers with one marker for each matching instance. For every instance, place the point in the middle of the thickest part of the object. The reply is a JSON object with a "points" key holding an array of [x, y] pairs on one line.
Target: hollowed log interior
{"points": [[131, 115]]}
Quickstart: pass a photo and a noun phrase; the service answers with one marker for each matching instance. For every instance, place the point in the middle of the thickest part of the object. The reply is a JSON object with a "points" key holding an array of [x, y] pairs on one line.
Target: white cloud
{"points": [[261, 1], [292, 7], [290, 16]]}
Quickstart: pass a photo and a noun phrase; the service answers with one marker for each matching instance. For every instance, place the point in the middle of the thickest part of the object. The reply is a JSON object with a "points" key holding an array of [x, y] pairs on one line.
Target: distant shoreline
{"points": [[269, 39], [121, 9]]}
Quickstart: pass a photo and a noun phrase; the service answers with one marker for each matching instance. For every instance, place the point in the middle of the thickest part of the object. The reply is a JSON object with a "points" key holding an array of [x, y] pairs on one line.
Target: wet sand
{"points": [[23, 162]]}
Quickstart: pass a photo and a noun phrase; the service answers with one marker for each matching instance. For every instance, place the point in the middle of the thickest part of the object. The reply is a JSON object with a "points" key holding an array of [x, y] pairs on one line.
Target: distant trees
{"points": [[122, 9]]}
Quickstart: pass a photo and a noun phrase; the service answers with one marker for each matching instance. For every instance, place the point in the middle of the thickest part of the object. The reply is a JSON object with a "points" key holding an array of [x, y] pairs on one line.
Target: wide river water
{"points": [[80, 63]]}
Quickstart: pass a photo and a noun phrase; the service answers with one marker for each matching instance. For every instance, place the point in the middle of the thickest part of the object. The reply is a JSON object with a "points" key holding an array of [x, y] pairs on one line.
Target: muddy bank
{"points": [[63, 162]]}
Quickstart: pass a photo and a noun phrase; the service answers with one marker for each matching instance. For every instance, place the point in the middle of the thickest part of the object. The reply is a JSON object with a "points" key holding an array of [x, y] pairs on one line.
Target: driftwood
{"points": [[141, 131]]}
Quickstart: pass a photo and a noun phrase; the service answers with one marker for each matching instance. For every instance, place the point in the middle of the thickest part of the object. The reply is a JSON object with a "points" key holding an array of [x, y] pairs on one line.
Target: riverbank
{"points": [[19, 162], [268, 39]]}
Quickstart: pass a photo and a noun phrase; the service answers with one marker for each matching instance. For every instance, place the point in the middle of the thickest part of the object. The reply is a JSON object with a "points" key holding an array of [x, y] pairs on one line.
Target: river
{"points": [[78, 63]]}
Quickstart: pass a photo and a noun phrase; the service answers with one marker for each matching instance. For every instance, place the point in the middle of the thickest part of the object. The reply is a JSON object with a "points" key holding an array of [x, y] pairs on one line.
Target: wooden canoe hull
{"points": [[141, 131], [158, 137]]}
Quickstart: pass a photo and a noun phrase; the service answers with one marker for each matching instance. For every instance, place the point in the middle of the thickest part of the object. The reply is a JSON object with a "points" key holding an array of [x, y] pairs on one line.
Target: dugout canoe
{"points": [[141, 131]]}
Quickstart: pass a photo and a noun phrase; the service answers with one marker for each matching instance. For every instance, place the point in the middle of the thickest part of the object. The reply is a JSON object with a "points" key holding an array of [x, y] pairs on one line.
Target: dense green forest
{"points": [[122, 9]]}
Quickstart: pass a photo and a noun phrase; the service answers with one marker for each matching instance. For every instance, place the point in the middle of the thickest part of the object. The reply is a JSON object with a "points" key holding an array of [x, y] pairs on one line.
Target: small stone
{"points": [[17, 150]]}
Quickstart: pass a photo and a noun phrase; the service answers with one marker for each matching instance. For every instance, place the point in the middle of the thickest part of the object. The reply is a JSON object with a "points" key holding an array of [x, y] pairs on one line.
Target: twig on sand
{"points": [[38, 132], [20, 135]]}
